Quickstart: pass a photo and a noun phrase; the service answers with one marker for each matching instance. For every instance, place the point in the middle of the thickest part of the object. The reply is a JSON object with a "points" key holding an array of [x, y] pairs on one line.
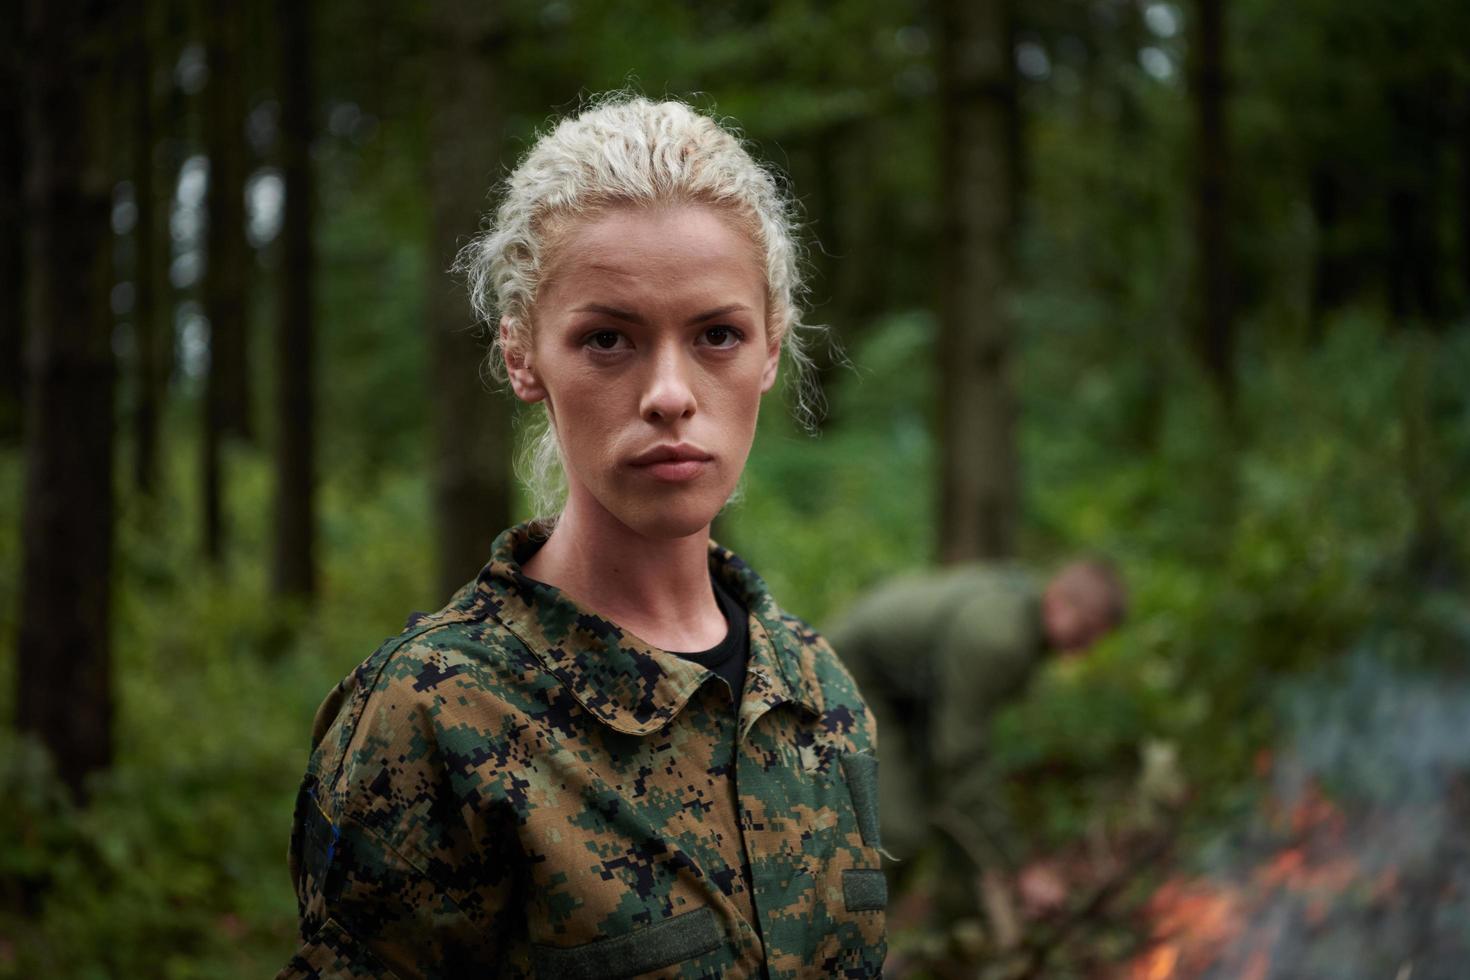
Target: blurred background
{"points": [[1184, 283]]}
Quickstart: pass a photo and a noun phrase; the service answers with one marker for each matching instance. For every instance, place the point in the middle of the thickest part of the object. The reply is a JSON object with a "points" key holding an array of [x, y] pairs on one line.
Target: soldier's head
{"points": [[643, 278], [1083, 602]]}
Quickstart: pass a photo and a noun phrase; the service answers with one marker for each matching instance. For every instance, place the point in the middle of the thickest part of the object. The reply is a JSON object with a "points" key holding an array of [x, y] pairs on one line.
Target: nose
{"points": [[668, 394]]}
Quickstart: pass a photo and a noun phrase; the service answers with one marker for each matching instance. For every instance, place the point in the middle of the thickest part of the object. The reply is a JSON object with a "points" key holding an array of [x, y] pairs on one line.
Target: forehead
{"points": [[652, 254], [1081, 582]]}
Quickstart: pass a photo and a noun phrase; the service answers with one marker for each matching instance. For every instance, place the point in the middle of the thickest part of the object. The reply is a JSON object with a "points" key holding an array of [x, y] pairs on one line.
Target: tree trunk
{"points": [[12, 245], [227, 274], [1414, 209], [1214, 326], [1329, 277], [146, 330], [1465, 192], [63, 654], [471, 426], [859, 284], [979, 479], [226, 408], [816, 168], [294, 571]]}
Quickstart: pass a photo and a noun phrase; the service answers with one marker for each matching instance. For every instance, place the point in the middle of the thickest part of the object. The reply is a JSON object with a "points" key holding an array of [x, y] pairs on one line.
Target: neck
{"points": [[657, 588]]}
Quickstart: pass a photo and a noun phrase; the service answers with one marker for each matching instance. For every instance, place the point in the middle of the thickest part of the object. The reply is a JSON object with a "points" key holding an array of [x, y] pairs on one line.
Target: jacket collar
{"points": [[622, 680]]}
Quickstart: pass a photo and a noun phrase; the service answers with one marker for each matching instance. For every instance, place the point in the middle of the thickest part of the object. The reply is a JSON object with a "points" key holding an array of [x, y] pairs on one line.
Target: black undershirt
{"points": [[726, 658]]}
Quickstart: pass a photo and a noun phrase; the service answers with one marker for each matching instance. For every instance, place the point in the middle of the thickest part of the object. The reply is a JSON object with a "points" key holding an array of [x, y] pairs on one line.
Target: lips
{"points": [[682, 453], [673, 464]]}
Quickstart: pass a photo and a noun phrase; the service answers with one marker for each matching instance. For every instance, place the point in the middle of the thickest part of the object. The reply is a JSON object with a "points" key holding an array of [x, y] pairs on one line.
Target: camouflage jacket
{"points": [[517, 787]]}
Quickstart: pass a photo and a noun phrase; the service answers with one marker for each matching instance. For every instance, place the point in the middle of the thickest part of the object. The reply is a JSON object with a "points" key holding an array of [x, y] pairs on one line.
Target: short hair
{"points": [[624, 149], [1104, 574]]}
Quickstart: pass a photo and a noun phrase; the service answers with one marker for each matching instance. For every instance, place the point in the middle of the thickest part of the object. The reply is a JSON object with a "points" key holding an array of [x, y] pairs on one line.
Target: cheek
{"points": [[737, 411], [582, 408]]}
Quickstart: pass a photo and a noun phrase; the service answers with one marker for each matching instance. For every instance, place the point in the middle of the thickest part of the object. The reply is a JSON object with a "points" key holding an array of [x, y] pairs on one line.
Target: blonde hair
{"points": [[625, 149]]}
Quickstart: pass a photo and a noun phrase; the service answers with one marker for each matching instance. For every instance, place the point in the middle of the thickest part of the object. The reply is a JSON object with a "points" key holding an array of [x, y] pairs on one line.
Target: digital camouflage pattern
{"points": [[517, 787]]}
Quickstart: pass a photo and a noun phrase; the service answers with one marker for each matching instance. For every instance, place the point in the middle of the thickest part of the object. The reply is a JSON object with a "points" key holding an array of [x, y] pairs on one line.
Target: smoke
{"points": [[1359, 867]]}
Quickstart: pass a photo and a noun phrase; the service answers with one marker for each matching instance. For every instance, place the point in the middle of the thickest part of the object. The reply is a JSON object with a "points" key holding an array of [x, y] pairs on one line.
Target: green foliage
{"points": [[823, 517], [176, 868]]}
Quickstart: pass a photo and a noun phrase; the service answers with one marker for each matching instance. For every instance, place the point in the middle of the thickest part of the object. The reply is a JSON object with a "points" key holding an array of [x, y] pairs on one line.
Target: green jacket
{"points": [[939, 653], [517, 787]]}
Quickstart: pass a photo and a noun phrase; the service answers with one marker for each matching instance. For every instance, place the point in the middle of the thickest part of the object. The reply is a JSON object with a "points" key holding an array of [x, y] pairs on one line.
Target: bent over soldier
{"points": [[938, 654]]}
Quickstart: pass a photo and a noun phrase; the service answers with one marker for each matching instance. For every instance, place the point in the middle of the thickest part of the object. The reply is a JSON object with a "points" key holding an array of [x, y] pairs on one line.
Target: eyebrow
{"points": [[630, 317]]}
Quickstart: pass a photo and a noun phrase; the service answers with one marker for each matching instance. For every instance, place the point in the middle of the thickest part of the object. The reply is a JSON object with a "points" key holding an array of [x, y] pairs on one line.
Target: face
{"points": [[650, 345], [1076, 610]]}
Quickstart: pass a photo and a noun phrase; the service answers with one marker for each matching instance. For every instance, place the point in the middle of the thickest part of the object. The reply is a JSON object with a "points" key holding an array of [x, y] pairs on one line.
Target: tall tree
{"points": [[472, 438], [1214, 316], [63, 655], [226, 407], [12, 246], [294, 570], [1464, 222], [979, 477], [150, 367], [227, 277]]}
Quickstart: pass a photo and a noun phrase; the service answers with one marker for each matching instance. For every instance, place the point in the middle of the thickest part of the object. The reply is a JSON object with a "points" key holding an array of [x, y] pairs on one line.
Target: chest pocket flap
{"points": [[652, 947]]}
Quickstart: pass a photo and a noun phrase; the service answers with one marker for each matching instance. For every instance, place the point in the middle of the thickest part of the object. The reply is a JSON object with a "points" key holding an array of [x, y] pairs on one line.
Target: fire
{"points": [[1192, 922], [1157, 964], [1196, 922]]}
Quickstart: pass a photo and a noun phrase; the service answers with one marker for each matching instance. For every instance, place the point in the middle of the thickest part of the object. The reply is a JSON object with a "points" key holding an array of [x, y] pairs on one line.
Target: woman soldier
{"points": [[531, 782]]}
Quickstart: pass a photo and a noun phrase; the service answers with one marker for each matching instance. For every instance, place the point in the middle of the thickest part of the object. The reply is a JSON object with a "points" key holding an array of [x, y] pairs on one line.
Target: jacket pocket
{"points": [[673, 940], [864, 890]]}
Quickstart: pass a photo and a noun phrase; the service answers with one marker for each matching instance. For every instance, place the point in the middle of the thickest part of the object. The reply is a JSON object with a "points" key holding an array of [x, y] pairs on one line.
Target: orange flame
{"points": [[1194, 922]]}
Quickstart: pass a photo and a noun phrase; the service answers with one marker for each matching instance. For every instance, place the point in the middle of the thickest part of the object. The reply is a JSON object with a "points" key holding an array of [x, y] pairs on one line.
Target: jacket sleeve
{"points": [[391, 880], [368, 910]]}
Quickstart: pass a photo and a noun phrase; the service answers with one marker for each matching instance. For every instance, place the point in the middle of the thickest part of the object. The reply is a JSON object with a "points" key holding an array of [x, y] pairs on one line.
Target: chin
{"points": [[666, 516], [668, 522]]}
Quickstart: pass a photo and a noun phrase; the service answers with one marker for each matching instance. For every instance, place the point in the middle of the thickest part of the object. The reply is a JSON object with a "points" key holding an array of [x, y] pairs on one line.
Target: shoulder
{"points": [[816, 654], [844, 710], [1003, 608], [443, 681]]}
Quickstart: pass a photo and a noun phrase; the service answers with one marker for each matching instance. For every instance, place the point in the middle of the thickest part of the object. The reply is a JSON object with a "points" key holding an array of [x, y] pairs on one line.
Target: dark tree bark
{"points": [[1214, 326], [1414, 207], [1329, 277], [472, 440], [841, 208], [63, 654], [979, 478], [146, 327], [294, 569], [227, 275], [815, 167], [858, 287], [1463, 140], [1465, 192], [226, 408], [12, 245]]}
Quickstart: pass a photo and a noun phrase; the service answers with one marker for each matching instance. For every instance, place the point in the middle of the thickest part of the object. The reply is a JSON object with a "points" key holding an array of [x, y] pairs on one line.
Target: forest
{"points": [[1185, 283]]}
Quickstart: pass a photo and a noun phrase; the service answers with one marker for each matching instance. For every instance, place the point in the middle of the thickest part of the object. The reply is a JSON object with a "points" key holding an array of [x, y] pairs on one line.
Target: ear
{"points": [[523, 380], [773, 360]]}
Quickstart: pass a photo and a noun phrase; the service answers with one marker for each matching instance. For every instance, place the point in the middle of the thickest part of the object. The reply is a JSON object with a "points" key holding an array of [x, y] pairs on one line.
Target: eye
{"points": [[721, 337], [604, 340]]}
